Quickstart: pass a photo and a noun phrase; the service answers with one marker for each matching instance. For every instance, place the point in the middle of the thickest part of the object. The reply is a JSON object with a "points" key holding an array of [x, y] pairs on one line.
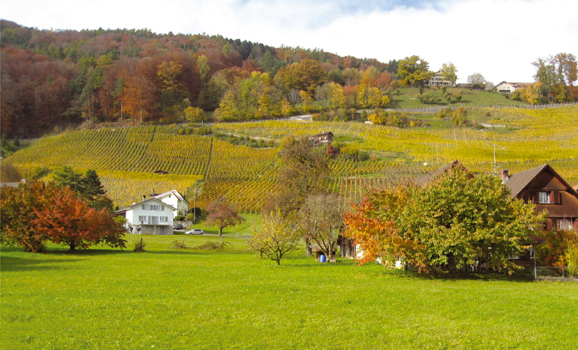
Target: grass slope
{"points": [[167, 299], [409, 98]]}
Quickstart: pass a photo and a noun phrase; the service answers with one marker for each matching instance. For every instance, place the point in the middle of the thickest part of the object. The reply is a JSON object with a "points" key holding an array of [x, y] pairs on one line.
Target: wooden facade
{"points": [[544, 187]]}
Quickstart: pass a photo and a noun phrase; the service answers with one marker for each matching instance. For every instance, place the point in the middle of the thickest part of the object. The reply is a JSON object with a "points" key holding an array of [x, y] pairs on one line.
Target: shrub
{"points": [[213, 246], [139, 245], [178, 244]]}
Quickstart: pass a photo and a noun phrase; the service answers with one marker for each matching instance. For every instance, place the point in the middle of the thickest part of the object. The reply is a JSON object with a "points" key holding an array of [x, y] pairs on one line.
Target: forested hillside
{"points": [[54, 78]]}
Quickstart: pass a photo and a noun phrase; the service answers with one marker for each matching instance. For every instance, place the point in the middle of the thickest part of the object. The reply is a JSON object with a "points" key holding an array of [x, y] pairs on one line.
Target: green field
{"points": [[408, 98], [184, 299]]}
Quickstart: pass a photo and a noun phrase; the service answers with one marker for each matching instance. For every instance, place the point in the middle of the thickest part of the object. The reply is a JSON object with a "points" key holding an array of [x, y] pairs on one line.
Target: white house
{"points": [[174, 199], [152, 216], [507, 88], [438, 80]]}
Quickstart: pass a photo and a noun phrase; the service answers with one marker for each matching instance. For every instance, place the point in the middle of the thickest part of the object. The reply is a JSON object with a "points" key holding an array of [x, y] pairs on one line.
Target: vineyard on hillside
{"points": [[205, 168]]}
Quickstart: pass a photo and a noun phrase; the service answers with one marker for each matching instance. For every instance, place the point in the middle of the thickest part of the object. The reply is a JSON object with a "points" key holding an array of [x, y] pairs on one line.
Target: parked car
{"points": [[195, 231], [178, 227]]}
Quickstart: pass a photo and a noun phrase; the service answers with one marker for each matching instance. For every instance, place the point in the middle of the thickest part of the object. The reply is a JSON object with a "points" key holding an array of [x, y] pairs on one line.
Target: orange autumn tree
{"points": [[17, 213], [36, 212], [65, 218], [371, 224]]}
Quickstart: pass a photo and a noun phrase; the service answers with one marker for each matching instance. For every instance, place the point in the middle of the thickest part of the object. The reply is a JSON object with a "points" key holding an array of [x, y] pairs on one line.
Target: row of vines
{"points": [[127, 158]]}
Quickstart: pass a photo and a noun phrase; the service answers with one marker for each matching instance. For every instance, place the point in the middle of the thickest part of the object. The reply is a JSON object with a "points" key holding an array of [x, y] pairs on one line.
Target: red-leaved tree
{"points": [[223, 214], [64, 218], [36, 212]]}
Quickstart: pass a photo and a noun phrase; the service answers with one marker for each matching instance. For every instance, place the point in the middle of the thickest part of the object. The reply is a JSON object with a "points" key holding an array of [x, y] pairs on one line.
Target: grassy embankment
{"points": [[183, 299]]}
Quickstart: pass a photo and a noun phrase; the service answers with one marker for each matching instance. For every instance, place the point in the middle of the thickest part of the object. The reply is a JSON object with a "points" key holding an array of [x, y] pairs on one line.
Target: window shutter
{"points": [[535, 197], [558, 197], [549, 224], [553, 197]]}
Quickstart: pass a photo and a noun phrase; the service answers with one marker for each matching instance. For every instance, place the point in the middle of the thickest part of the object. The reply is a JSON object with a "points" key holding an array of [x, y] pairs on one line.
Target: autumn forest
{"points": [[57, 78]]}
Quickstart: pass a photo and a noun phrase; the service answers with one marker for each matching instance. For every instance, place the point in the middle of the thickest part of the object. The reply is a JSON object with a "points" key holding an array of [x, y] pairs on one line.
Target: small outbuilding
{"points": [[325, 137]]}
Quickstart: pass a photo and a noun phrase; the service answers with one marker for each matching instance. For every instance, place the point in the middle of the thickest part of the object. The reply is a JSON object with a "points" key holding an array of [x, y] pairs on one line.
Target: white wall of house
{"points": [[174, 199], [505, 87], [152, 216]]}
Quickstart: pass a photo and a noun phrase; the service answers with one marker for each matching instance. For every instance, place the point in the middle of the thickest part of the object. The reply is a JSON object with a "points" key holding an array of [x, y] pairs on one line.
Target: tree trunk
{"points": [[308, 250], [72, 246]]}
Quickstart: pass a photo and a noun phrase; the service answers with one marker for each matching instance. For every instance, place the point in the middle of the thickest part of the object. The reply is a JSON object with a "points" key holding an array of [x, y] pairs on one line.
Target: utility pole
{"points": [[494, 145]]}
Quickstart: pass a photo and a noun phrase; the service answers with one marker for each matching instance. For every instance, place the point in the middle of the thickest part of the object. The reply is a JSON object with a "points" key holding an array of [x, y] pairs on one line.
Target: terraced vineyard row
{"points": [[127, 157], [538, 135], [240, 162], [125, 188]]}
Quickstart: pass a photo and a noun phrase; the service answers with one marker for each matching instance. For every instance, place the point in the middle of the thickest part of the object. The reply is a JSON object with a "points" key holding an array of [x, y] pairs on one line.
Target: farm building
{"points": [[544, 187], [321, 138]]}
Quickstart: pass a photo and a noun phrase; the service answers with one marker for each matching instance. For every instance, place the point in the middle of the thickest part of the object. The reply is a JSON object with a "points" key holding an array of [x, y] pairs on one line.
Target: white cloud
{"points": [[498, 38]]}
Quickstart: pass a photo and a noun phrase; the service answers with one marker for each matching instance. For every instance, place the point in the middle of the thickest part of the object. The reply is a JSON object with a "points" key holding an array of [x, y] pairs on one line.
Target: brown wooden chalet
{"points": [[321, 138], [544, 187]]}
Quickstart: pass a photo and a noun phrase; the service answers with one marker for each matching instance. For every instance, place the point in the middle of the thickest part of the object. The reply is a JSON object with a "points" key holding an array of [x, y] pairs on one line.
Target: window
{"points": [[565, 224], [153, 220], [158, 207], [142, 219], [551, 197], [544, 198], [164, 219]]}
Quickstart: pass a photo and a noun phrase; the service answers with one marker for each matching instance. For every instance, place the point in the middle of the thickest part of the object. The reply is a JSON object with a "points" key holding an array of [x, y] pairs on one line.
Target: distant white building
{"points": [[438, 80], [507, 87], [155, 216]]}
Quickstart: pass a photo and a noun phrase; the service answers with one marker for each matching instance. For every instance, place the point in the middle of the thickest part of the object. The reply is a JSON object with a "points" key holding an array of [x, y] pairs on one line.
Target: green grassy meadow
{"points": [[408, 98], [192, 299]]}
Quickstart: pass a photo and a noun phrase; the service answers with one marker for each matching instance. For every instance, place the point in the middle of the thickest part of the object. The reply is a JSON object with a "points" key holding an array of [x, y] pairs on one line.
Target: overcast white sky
{"points": [[497, 38]]}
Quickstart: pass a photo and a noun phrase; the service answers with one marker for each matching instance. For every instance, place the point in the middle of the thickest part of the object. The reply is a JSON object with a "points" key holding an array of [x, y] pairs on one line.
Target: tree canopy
{"points": [[223, 214], [36, 212], [456, 221]]}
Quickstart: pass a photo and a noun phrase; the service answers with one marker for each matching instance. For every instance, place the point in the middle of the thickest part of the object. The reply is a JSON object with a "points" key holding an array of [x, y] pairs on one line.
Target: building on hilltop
{"points": [[438, 80], [507, 88]]}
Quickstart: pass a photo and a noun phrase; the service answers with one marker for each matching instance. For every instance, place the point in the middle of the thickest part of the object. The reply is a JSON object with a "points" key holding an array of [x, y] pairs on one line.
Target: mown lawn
{"points": [[192, 299]]}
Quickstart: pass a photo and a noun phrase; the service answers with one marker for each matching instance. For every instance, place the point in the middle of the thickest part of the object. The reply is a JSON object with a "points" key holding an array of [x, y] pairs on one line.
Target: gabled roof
{"points": [[432, 175], [520, 181], [175, 192], [143, 202], [323, 134]]}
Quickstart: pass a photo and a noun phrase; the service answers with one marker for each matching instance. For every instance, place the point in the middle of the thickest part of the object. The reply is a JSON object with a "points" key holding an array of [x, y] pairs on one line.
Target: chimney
{"points": [[144, 198], [504, 175]]}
